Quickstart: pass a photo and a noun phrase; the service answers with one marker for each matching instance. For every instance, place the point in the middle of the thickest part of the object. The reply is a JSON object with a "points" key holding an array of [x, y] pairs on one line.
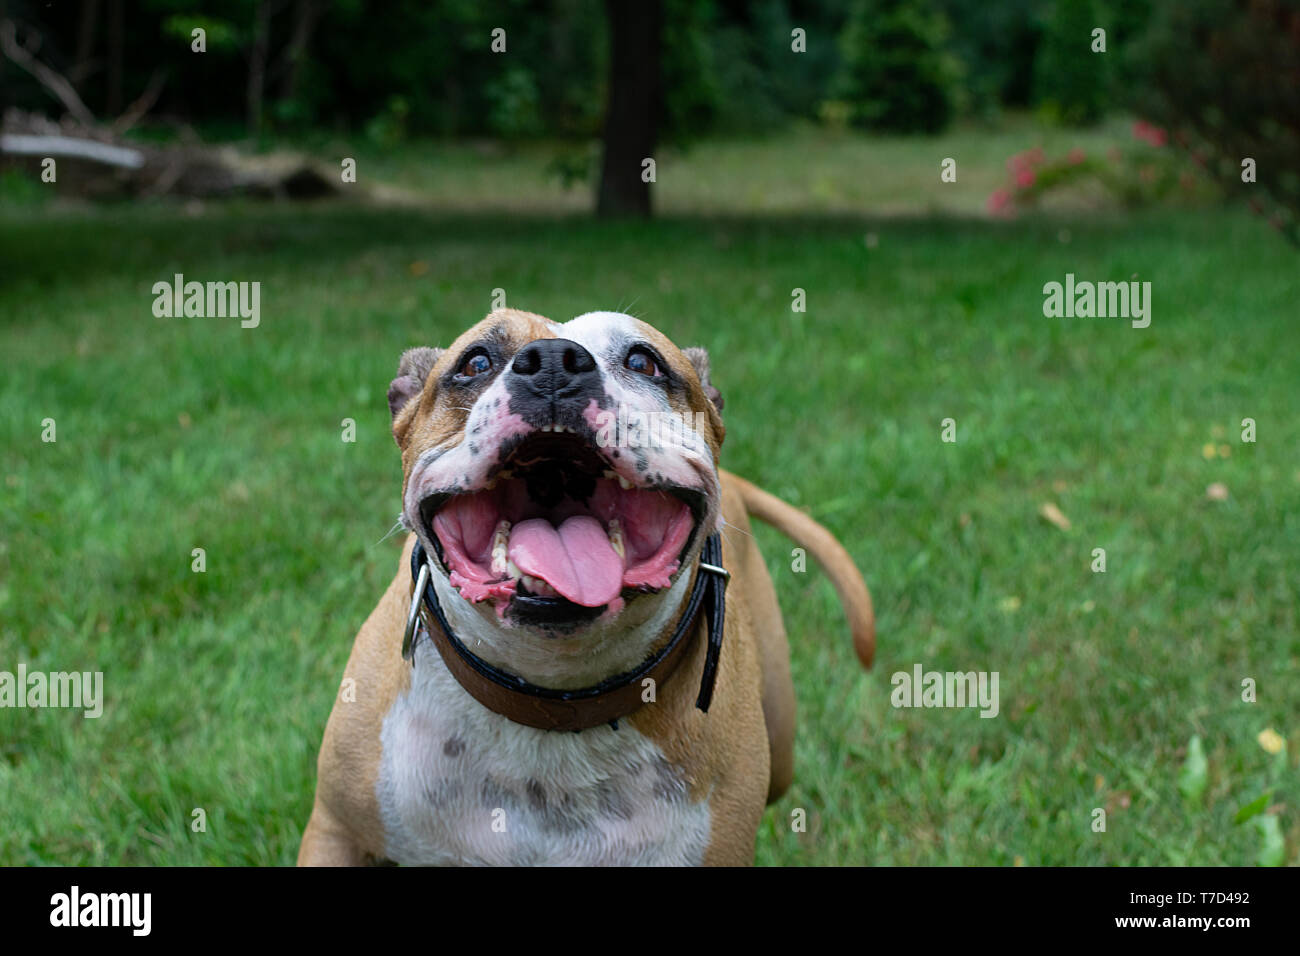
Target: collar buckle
{"points": [[413, 617]]}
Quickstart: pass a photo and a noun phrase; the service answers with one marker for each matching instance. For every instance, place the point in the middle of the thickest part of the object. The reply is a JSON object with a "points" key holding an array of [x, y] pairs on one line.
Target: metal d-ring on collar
{"points": [[710, 583]]}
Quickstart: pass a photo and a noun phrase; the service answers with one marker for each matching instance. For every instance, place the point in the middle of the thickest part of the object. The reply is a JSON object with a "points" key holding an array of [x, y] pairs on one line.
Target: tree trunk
{"points": [[257, 65], [88, 24], [635, 100], [116, 41], [305, 14]]}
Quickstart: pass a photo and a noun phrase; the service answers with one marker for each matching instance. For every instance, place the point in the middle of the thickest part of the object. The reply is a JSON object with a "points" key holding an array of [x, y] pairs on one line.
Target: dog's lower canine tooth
{"points": [[616, 537], [624, 483], [500, 547], [538, 586]]}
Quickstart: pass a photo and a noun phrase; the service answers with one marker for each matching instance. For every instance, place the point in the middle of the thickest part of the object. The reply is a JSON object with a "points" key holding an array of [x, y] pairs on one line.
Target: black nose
{"points": [[553, 381], [555, 367], [553, 359]]}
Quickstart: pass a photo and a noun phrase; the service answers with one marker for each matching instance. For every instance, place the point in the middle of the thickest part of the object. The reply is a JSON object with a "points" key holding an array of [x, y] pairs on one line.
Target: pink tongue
{"points": [[576, 559]]}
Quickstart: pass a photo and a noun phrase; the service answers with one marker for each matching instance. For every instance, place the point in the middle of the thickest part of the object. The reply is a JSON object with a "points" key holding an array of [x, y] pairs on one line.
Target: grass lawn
{"points": [[175, 434]]}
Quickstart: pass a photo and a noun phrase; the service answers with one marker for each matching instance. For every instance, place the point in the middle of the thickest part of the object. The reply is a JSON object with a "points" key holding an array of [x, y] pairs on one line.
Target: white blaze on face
{"points": [[617, 524], [666, 445]]}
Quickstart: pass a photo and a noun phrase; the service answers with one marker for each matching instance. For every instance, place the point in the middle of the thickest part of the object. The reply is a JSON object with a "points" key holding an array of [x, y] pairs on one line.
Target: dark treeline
{"points": [[1221, 75], [427, 67]]}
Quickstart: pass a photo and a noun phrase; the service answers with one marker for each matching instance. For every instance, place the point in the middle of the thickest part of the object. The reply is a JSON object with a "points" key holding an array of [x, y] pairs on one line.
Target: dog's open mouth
{"points": [[556, 529]]}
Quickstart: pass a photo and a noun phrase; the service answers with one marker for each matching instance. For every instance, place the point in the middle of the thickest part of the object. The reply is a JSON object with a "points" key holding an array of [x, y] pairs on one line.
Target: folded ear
{"points": [[699, 358], [412, 370]]}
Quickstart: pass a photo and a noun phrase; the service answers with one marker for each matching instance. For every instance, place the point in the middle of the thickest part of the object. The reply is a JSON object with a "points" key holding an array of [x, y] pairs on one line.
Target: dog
{"points": [[580, 659]]}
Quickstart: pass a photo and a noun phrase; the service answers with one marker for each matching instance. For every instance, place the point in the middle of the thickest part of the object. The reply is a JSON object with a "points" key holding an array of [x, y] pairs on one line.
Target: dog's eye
{"points": [[640, 360], [475, 365]]}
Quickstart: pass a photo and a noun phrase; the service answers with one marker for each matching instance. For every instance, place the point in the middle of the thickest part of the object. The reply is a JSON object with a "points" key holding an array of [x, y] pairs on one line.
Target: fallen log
{"points": [[95, 163]]}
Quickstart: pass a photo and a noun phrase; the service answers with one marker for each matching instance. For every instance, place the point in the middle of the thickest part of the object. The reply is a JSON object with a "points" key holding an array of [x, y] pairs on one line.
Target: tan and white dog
{"points": [[563, 480]]}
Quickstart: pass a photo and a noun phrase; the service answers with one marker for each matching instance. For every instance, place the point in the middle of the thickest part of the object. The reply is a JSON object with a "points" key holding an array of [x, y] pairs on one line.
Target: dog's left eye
{"points": [[640, 360], [475, 365]]}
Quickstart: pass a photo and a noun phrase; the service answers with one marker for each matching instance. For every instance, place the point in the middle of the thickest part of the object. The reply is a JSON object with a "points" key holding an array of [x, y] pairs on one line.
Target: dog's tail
{"points": [[830, 554]]}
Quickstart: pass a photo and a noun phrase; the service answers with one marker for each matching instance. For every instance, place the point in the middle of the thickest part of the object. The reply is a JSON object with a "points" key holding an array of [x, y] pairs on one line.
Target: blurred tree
{"points": [[290, 68], [635, 100], [997, 43], [258, 52], [1071, 82], [1224, 76], [897, 74]]}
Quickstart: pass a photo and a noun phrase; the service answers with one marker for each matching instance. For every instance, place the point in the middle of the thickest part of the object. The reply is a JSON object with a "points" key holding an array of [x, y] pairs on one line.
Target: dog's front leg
{"points": [[326, 842]]}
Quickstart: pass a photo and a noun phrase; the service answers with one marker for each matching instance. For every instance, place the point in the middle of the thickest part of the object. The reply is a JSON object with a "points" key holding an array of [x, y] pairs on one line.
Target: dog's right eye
{"points": [[642, 362], [476, 365]]}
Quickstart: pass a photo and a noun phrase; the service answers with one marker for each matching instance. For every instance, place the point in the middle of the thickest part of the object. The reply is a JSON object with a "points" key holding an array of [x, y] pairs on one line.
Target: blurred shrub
{"points": [[692, 96], [388, 128], [997, 44], [1071, 82], [22, 187], [897, 74], [514, 110], [1141, 174], [1224, 76], [574, 165]]}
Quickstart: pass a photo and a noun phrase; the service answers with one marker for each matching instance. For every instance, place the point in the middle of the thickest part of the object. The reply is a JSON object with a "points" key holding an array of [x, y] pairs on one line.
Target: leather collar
{"points": [[551, 709]]}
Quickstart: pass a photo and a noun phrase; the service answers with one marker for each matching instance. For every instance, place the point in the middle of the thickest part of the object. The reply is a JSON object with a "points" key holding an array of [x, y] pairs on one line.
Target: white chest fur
{"points": [[459, 784]]}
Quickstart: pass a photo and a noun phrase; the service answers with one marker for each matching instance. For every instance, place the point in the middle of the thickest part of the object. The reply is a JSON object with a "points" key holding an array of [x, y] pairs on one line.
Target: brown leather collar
{"points": [[548, 708]]}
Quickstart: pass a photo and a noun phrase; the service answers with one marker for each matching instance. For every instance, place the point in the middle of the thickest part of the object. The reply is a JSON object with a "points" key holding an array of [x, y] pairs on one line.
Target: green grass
{"points": [[182, 433]]}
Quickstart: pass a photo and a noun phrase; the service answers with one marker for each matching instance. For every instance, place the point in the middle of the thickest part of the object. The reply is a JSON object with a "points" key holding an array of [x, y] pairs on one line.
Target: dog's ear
{"points": [[699, 358], [412, 370]]}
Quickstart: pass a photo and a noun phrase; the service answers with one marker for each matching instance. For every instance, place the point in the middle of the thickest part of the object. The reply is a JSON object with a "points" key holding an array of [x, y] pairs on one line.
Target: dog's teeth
{"points": [[610, 473], [500, 548], [624, 483], [512, 569], [616, 537], [538, 586]]}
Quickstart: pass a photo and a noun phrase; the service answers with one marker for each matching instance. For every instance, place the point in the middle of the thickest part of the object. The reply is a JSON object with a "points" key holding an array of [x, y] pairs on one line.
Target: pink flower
{"points": [[1026, 160], [1076, 156], [1150, 134], [1025, 178], [999, 203]]}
